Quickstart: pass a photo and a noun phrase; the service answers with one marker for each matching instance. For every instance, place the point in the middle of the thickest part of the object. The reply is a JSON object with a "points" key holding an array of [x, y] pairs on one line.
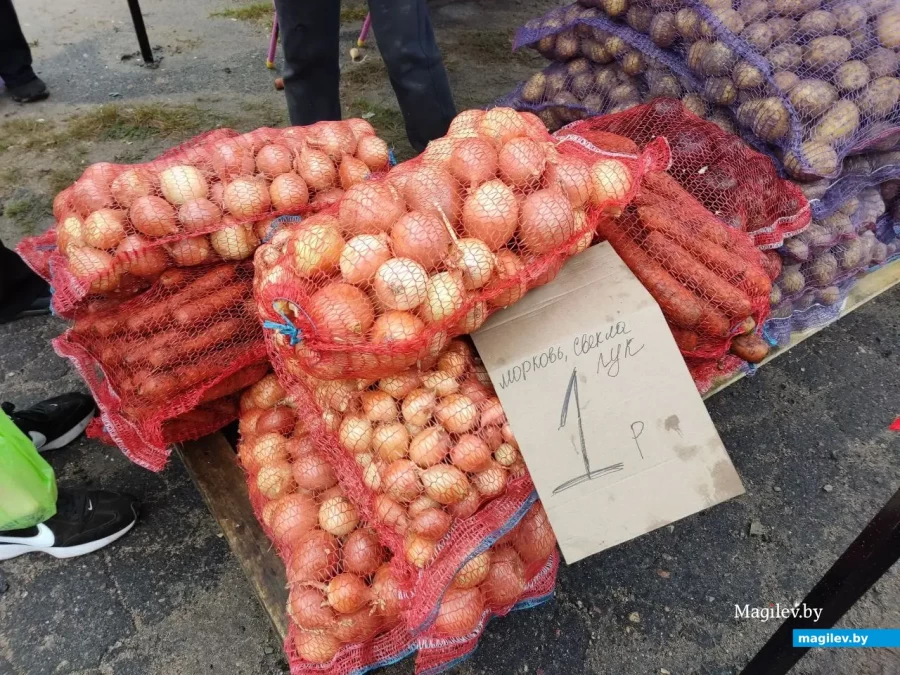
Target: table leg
{"points": [[140, 30]]}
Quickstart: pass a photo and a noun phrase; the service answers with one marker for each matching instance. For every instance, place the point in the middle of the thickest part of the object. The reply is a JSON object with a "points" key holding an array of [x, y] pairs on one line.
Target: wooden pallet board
{"points": [[867, 288], [212, 464]]}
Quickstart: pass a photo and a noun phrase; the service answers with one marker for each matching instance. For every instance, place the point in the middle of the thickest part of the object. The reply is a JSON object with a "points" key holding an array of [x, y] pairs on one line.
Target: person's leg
{"points": [[22, 292], [310, 38], [53, 422], [406, 42], [15, 59]]}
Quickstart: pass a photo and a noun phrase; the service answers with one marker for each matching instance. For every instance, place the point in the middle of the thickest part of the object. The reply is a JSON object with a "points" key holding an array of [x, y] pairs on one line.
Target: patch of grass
{"points": [[357, 13], [262, 114], [489, 47], [368, 71], [257, 11], [138, 122], [28, 211], [26, 131]]}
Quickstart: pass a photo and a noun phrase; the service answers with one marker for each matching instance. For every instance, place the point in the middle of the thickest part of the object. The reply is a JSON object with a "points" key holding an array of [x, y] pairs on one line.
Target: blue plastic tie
{"points": [[275, 224], [391, 158], [287, 328]]}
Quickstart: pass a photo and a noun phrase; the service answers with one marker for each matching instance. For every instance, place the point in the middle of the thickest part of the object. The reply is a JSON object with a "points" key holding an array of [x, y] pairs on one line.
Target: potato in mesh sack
{"points": [[165, 367], [353, 603], [818, 81], [381, 281], [118, 227]]}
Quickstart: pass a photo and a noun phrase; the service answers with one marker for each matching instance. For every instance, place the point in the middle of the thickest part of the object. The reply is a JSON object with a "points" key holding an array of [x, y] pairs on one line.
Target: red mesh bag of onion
{"points": [[212, 199], [352, 601], [404, 262]]}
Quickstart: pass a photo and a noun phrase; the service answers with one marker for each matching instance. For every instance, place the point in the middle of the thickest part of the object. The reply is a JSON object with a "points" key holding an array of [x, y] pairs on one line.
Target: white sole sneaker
{"points": [[69, 436], [9, 550]]}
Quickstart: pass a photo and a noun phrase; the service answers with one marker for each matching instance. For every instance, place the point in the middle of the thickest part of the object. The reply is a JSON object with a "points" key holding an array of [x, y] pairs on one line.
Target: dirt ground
{"points": [[171, 600]]}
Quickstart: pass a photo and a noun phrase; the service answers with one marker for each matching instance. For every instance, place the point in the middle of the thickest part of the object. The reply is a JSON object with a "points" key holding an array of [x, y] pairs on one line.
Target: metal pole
{"points": [[871, 554], [140, 30]]}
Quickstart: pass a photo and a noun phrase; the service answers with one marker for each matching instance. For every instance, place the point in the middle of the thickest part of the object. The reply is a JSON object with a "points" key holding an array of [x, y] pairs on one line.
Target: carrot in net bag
{"points": [[731, 180], [165, 366], [212, 199], [350, 595], [405, 262]]}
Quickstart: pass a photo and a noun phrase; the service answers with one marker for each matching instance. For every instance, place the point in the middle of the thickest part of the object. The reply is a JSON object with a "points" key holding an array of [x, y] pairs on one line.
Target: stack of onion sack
{"points": [[166, 366], [887, 228], [350, 595], [400, 265], [816, 80], [823, 263], [730, 179], [118, 227]]}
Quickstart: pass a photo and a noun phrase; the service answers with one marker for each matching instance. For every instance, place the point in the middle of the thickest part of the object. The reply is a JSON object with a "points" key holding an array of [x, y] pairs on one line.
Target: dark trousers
{"points": [[15, 56], [310, 31], [19, 285]]}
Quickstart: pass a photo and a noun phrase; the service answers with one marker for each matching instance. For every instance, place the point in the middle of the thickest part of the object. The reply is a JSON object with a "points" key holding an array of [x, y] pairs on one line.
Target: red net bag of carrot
{"points": [[209, 200], [708, 278], [166, 366], [349, 592], [733, 181], [401, 264]]}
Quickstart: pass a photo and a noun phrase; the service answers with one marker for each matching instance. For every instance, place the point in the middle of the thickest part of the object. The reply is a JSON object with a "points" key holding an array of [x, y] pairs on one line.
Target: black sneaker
{"points": [[85, 520], [54, 422], [33, 90]]}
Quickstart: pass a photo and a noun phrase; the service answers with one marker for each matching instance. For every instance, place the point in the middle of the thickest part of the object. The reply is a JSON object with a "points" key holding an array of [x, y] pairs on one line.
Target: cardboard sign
{"points": [[606, 414]]}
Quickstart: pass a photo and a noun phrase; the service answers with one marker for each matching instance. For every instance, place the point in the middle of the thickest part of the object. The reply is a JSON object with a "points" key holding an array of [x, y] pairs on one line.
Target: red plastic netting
{"points": [[426, 457], [212, 199], [165, 367], [401, 264], [352, 599], [730, 179]]}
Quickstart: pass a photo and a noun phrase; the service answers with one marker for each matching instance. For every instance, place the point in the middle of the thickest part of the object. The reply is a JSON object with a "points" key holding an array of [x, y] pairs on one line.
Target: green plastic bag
{"points": [[27, 483]]}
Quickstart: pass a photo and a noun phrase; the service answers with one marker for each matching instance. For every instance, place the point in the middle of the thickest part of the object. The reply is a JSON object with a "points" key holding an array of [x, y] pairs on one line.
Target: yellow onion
{"points": [[180, 184], [465, 124], [443, 384], [418, 406], [474, 571], [360, 128], [338, 395], [522, 161], [131, 184], [457, 413], [199, 215], [234, 241], [401, 481], [610, 181], [419, 551], [317, 246], [445, 483], [429, 447], [500, 125], [456, 359], [396, 326], [391, 441], [190, 251], [373, 152], [432, 189], [459, 613], [70, 232], [247, 198], [362, 256], [491, 213], [421, 237], [352, 171], [142, 259], [491, 482], [341, 313], [470, 453], [338, 516], [547, 221], [572, 175], [316, 647], [89, 195], [273, 160], [104, 228], [379, 406], [473, 319], [231, 159], [333, 138], [401, 283], [153, 216], [288, 192], [370, 207], [444, 295], [275, 480], [474, 260], [473, 161], [401, 384], [98, 266], [510, 274], [438, 151], [316, 169], [356, 433]]}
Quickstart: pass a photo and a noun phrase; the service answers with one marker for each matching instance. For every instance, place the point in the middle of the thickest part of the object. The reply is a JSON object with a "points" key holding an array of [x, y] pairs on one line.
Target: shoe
{"points": [[55, 422], [38, 307], [32, 297], [33, 90], [85, 521]]}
